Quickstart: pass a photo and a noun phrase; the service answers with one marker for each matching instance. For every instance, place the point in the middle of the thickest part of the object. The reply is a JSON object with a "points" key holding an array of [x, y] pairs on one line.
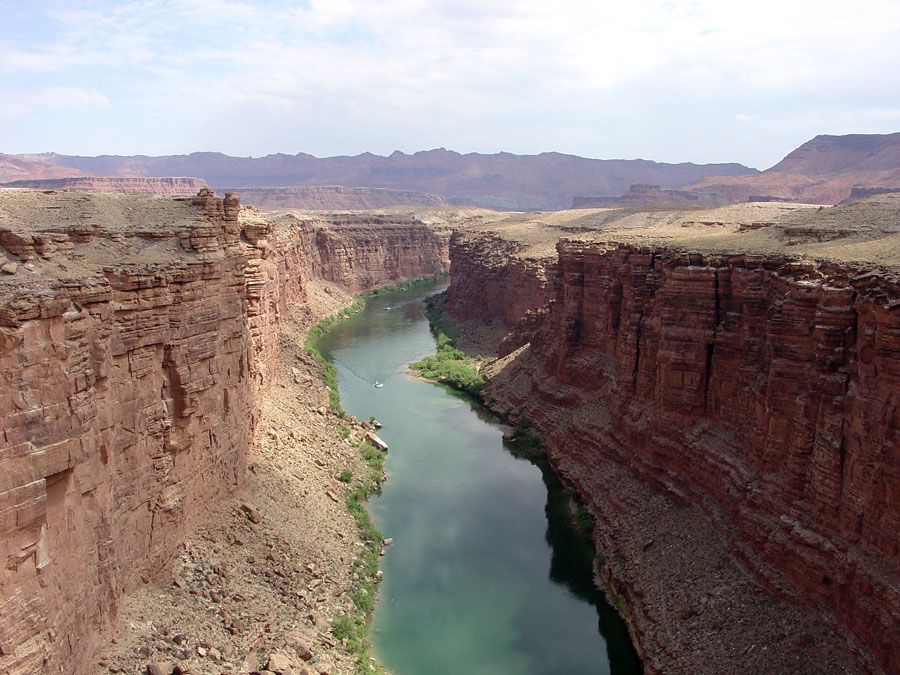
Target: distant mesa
{"points": [[501, 181], [28, 167], [825, 155], [121, 184], [824, 170], [642, 194], [330, 197]]}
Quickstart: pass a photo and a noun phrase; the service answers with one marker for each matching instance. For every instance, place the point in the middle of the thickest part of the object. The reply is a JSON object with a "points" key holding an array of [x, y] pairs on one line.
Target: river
{"points": [[486, 574]]}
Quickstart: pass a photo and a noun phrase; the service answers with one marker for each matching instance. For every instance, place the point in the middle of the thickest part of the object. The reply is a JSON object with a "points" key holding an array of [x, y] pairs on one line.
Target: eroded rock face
{"points": [[359, 254], [127, 407], [132, 357], [766, 391]]}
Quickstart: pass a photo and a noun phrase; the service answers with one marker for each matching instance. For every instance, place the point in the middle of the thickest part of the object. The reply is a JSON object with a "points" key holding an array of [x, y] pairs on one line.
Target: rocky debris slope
{"points": [[138, 337], [258, 585], [760, 389], [127, 185]]}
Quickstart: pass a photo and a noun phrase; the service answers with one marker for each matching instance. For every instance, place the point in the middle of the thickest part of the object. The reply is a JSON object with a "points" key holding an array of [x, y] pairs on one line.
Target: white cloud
{"points": [[64, 97], [648, 77]]}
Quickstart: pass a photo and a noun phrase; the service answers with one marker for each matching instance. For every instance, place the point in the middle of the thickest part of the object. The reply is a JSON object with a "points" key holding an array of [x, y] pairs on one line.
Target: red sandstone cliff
{"points": [[128, 185], [491, 277], [762, 389], [135, 337]]}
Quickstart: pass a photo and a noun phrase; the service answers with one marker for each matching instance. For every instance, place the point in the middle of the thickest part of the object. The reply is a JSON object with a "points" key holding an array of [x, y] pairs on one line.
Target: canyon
{"points": [[139, 338], [695, 356], [719, 386]]}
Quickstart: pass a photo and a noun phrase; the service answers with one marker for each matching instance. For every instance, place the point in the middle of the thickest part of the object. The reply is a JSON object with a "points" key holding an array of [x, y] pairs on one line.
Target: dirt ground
{"points": [[865, 232]]}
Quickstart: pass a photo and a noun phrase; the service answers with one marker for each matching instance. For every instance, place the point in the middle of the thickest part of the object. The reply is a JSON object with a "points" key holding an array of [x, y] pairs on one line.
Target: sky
{"points": [[672, 81]]}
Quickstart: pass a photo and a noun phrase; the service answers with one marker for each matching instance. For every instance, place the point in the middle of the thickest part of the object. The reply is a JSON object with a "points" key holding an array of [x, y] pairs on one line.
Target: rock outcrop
{"points": [[762, 389], [136, 335], [359, 252], [126, 185]]}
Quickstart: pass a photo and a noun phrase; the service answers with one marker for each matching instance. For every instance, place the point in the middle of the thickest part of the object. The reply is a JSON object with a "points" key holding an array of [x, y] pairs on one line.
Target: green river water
{"points": [[486, 574]]}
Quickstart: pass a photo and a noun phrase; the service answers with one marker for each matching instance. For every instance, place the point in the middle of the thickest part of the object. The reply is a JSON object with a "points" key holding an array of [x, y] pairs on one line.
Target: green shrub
{"points": [[583, 520], [525, 436], [354, 626], [449, 365], [342, 627], [346, 476], [330, 376]]}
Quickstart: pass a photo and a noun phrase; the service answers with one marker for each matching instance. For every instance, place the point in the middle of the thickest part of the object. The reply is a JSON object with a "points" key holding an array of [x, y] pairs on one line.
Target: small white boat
{"points": [[378, 384]]}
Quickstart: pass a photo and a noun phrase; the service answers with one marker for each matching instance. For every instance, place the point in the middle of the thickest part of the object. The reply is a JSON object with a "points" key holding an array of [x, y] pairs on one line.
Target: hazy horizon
{"points": [[694, 81]]}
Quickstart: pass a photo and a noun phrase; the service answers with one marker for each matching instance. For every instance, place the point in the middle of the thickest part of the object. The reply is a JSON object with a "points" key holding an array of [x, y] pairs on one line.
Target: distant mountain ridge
{"points": [[824, 170], [825, 155], [22, 167], [503, 180]]}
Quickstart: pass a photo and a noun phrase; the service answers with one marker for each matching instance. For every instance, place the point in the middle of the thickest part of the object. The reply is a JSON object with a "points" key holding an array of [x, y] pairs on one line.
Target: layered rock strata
{"points": [[127, 185], [490, 279], [359, 252], [326, 197], [762, 389], [136, 336], [644, 195]]}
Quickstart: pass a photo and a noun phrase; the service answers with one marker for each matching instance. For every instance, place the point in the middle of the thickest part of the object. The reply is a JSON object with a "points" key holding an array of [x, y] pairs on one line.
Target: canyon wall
{"points": [[490, 278], [361, 252], [764, 390], [133, 353]]}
